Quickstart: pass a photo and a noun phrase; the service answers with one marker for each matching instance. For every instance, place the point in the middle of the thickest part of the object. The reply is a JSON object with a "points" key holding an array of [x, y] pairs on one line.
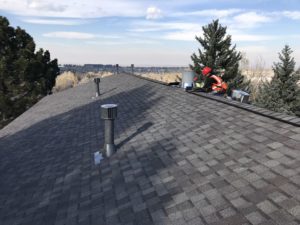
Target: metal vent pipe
{"points": [[97, 85], [109, 114], [132, 68], [117, 68]]}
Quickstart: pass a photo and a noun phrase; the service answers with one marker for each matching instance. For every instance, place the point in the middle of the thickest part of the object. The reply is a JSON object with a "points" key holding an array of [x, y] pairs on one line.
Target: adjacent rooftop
{"points": [[181, 159]]}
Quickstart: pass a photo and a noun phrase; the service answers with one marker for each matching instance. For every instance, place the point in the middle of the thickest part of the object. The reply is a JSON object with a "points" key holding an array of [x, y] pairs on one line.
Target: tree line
{"points": [[26, 75]]}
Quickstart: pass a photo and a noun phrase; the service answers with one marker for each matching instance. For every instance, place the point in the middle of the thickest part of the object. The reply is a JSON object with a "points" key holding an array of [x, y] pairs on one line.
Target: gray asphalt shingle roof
{"points": [[181, 159]]}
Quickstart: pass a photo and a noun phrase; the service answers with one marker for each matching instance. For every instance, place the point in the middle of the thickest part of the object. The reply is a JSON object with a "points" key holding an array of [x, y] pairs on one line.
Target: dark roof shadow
{"points": [[42, 166], [138, 131], [108, 91]]}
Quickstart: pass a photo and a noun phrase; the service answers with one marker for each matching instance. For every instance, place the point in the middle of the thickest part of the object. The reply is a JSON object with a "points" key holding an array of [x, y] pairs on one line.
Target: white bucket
{"points": [[187, 79]]}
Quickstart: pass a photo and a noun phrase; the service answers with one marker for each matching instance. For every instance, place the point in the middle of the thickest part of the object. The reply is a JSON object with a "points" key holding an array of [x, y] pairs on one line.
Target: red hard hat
{"points": [[206, 70]]}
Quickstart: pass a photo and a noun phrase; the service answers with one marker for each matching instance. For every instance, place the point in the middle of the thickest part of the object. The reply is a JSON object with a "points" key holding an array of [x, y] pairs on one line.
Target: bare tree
{"points": [[257, 75]]}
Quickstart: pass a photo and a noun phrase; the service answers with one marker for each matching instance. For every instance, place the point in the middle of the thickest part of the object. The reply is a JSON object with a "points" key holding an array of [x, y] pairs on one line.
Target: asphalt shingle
{"points": [[181, 159]]}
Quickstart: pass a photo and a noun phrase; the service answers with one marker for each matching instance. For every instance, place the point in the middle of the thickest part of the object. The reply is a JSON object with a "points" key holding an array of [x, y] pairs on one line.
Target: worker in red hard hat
{"points": [[205, 82], [213, 82], [206, 72]]}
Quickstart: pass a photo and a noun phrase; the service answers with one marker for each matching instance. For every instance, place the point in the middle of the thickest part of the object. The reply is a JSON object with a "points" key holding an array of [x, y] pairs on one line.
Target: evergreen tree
{"points": [[282, 93], [218, 54], [25, 75]]}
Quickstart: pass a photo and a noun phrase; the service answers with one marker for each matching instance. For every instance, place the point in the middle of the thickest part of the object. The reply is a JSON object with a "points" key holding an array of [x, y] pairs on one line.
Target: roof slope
{"points": [[181, 159]]}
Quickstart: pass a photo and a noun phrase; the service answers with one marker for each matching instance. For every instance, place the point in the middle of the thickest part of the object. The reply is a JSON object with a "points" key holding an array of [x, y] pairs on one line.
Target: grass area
{"points": [[256, 76], [164, 77], [69, 79]]}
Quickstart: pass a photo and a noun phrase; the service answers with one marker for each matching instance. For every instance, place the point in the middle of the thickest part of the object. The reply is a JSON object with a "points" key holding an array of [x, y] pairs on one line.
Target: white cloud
{"points": [[295, 15], [54, 21], [97, 38], [251, 37], [108, 36], [214, 13], [102, 43], [181, 36], [46, 6], [73, 8], [187, 35], [153, 13], [250, 20], [156, 26], [70, 35], [124, 42], [296, 36], [170, 30]]}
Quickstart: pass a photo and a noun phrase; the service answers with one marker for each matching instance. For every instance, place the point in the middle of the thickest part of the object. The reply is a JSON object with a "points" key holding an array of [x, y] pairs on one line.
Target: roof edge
{"points": [[292, 120]]}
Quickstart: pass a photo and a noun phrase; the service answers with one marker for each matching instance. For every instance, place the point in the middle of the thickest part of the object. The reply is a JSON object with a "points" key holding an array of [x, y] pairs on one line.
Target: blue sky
{"points": [[153, 32]]}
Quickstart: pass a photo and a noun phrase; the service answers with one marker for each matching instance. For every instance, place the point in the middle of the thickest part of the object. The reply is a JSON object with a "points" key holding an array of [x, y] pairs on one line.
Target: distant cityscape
{"points": [[80, 69]]}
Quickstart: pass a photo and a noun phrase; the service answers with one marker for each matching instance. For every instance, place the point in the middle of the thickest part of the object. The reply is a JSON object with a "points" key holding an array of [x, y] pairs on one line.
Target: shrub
{"points": [[64, 81], [282, 93]]}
